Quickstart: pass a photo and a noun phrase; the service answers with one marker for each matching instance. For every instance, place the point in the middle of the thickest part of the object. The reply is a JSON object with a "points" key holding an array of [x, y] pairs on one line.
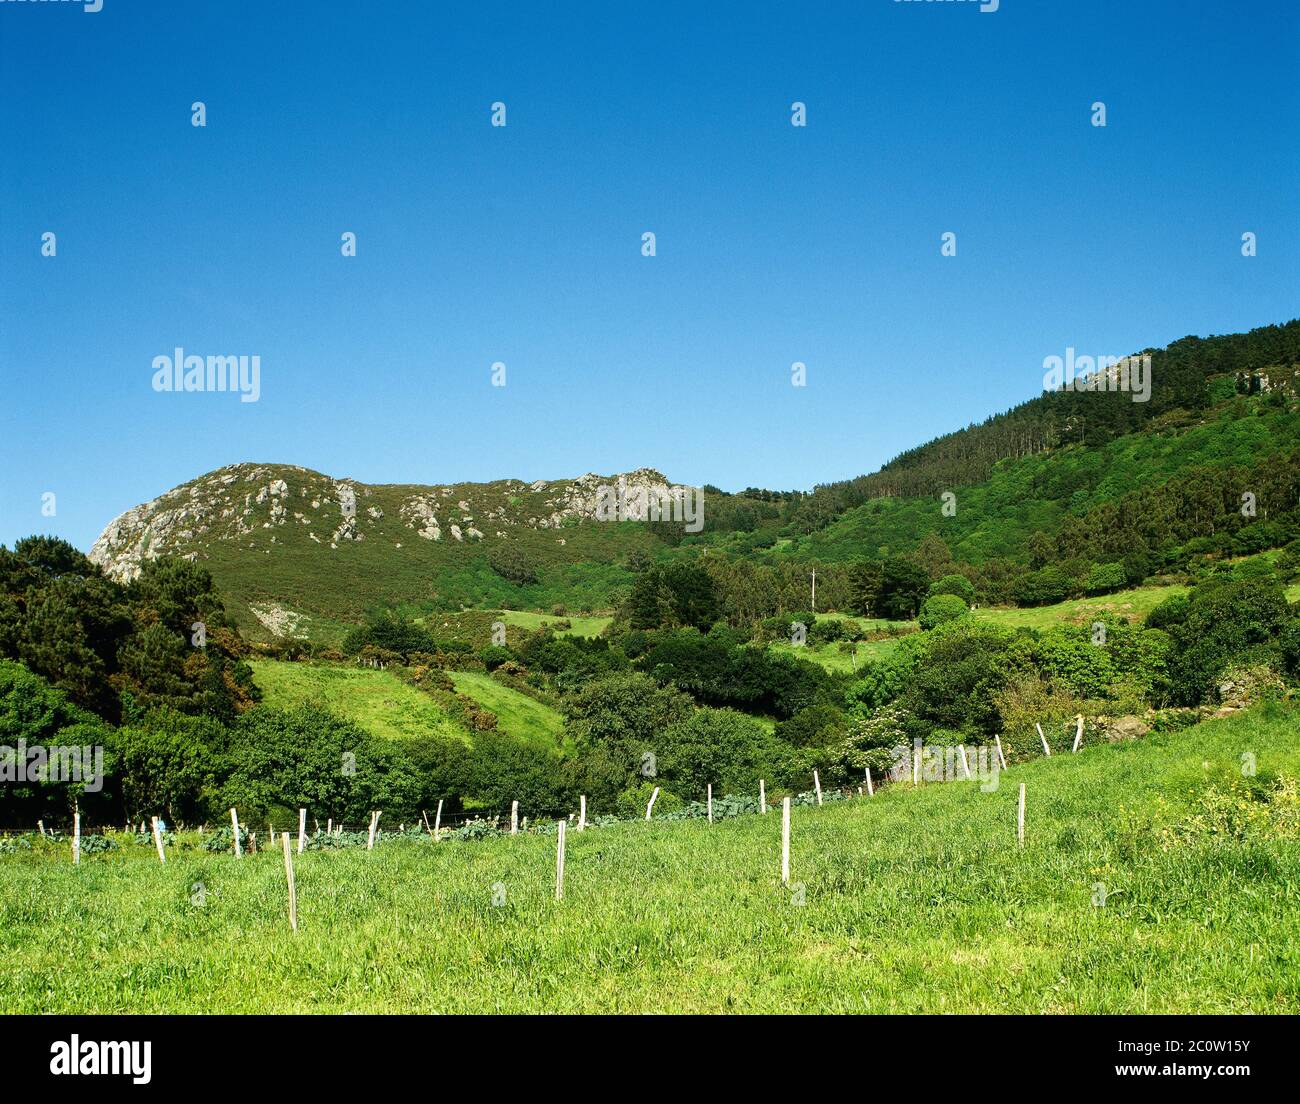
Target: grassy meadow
{"points": [[384, 705], [378, 701], [581, 625], [1132, 604], [516, 713], [1154, 878]]}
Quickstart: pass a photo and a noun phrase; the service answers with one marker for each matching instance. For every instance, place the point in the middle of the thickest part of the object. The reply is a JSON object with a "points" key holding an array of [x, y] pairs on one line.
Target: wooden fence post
{"points": [[76, 838], [41, 825], [965, 763], [870, 791], [582, 813], [374, 824], [709, 801], [916, 768], [998, 740], [560, 827], [157, 839], [1046, 750], [1020, 817], [817, 785], [234, 827], [514, 817], [651, 804], [785, 840], [302, 829], [762, 797], [1078, 731], [437, 821], [288, 873]]}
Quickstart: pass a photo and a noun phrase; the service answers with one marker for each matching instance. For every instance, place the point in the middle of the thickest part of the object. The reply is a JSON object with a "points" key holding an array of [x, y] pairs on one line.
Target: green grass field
{"points": [[378, 701], [516, 713], [1135, 892], [830, 656], [1132, 604], [581, 625]]}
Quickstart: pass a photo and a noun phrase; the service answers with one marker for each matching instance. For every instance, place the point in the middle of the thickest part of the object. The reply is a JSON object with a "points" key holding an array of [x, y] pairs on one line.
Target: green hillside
{"points": [[516, 713], [1048, 500], [383, 704], [1155, 878], [378, 701], [996, 516]]}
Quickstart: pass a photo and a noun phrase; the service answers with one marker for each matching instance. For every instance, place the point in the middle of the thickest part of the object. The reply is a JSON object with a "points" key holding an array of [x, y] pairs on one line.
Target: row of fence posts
{"points": [[562, 825]]}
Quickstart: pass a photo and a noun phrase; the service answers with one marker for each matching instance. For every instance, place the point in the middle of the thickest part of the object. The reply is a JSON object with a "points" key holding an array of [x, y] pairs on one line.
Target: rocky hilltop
{"points": [[292, 546]]}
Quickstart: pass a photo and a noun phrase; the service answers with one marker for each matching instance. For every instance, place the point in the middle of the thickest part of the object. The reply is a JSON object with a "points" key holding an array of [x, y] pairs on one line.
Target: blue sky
{"points": [[522, 244]]}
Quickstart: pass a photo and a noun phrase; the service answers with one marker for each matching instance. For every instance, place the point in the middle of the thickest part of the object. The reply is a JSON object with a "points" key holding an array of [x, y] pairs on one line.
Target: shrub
{"points": [[815, 726], [1105, 578], [957, 585], [940, 609], [1041, 588], [718, 746]]}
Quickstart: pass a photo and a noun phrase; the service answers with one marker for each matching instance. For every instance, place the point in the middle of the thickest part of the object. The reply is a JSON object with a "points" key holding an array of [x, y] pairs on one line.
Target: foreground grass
{"points": [[916, 901], [378, 701]]}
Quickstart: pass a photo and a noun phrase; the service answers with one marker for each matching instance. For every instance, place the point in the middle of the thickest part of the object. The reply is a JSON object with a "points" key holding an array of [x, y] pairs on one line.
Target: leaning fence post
{"points": [[785, 840], [288, 873], [560, 827], [374, 824], [437, 821], [817, 785], [1078, 731], [157, 839], [965, 763], [41, 825], [234, 825], [651, 804], [302, 829], [1046, 750], [1020, 817], [998, 740]]}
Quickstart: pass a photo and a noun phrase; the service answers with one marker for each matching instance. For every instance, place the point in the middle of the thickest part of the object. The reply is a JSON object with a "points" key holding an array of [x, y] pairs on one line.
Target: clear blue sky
{"points": [[522, 244]]}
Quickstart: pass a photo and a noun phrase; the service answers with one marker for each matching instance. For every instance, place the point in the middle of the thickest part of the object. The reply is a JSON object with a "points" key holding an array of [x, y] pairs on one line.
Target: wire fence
{"points": [[447, 822]]}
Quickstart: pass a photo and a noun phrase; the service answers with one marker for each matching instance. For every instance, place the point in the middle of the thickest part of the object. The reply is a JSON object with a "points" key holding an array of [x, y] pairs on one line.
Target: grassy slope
{"points": [[1132, 604], [582, 625], [383, 704], [378, 701], [914, 902], [516, 713]]}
